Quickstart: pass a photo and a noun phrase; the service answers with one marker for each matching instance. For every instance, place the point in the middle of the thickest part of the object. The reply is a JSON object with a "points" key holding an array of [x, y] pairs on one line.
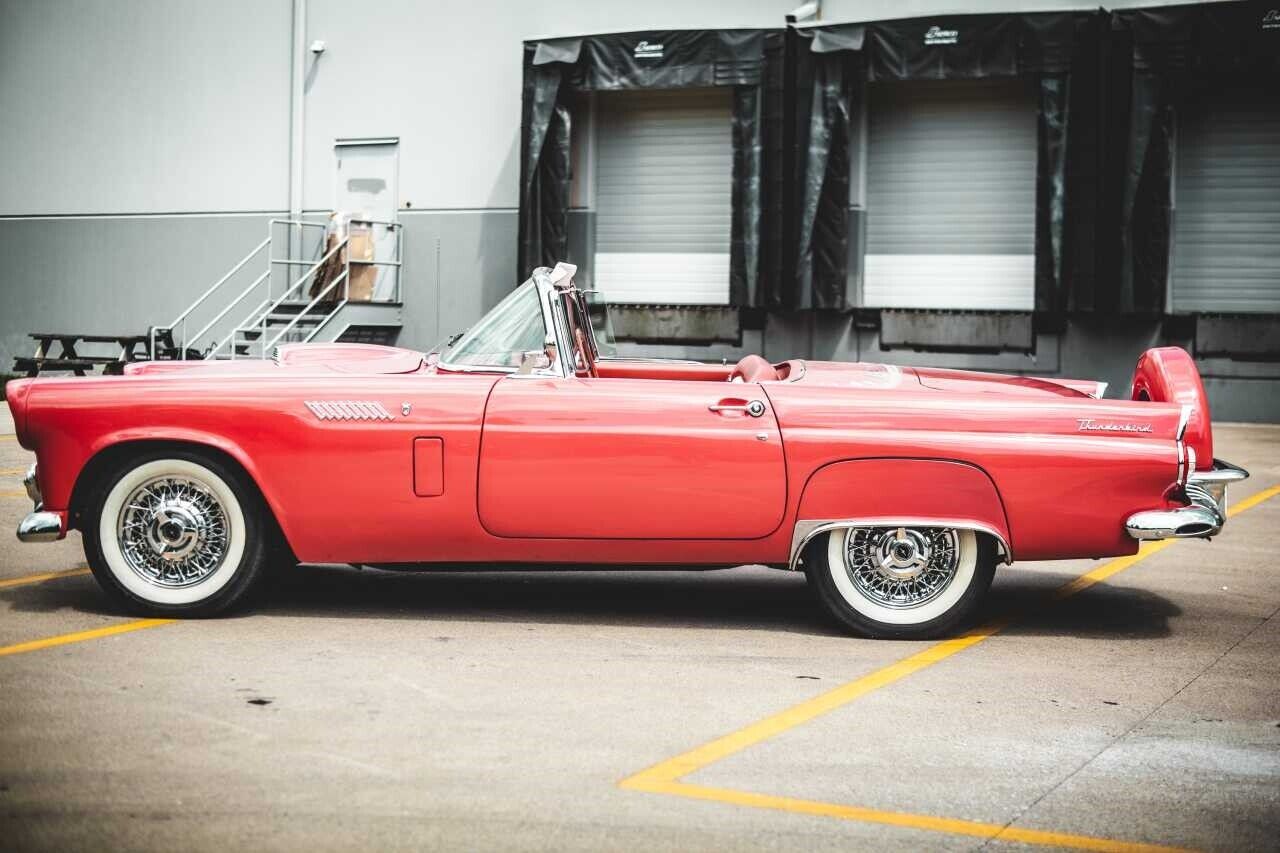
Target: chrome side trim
{"points": [[41, 527], [1100, 391], [1183, 420], [805, 530], [31, 483]]}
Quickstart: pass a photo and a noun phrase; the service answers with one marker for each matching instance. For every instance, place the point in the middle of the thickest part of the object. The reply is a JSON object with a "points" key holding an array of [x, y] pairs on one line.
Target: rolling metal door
{"points": [[1226, 233], [664, 171], [951, 195]]}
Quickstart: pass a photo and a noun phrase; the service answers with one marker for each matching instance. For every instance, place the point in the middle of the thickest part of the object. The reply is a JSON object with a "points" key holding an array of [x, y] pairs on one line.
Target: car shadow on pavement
{"points": [[749, 598]]}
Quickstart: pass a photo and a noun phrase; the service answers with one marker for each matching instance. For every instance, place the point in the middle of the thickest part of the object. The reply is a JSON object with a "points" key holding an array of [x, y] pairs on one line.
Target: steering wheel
{"points": [[753, 368]]}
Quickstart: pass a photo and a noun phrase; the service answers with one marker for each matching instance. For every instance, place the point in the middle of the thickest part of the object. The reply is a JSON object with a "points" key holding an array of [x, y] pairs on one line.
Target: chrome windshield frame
{"points": [[554, 332]]}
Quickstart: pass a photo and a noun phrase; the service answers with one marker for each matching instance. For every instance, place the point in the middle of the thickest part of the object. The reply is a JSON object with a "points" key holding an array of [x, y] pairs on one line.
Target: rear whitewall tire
{"points": [[832, 580], [241, 541]]}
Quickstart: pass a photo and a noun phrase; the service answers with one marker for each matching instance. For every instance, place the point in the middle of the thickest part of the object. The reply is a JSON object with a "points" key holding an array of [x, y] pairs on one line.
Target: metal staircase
{"points": [[275, 308]]}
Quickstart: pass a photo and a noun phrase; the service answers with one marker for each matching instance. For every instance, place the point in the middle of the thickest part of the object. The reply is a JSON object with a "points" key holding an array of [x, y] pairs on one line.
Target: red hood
{"points": [[363, 359]]}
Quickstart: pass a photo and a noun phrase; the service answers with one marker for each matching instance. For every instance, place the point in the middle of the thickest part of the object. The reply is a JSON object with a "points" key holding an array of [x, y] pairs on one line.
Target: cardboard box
{"points": [[363, 275]]}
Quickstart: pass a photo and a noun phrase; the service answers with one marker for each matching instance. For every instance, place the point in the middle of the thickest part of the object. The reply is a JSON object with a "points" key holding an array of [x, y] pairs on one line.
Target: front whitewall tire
{"points": [[176, 531], [130, 579]]}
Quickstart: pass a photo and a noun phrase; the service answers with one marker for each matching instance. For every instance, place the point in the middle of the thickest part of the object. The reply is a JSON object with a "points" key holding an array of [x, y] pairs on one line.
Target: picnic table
{"points": [[131, 348]]}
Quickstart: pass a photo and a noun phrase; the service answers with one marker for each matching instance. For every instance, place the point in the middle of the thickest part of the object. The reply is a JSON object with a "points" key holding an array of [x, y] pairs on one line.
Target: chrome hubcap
{"points": [[173, 531], [901, 566]]}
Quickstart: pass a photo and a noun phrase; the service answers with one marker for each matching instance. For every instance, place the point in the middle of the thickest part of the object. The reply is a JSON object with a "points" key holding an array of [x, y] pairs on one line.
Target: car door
{"points": [[612, 458]]}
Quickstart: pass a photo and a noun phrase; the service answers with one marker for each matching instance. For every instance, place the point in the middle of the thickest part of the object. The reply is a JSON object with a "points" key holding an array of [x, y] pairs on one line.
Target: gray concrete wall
{"points": [[110, 275]]}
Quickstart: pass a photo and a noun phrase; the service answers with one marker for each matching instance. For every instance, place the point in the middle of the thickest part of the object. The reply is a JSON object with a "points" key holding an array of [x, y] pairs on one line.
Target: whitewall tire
{"points": [[175, 532], [900, 582]]}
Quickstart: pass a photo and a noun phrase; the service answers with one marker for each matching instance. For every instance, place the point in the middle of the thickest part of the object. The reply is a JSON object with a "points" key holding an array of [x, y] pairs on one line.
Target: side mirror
{"points": [[533, 360]]}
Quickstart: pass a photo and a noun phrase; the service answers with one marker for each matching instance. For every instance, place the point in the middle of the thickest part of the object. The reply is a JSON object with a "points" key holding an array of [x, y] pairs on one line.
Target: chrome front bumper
{"points": [[39, 526], [1202, 518]]}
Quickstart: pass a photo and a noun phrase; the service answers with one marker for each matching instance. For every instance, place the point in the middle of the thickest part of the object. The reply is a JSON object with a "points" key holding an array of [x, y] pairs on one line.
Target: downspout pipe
{"points": [[297, 114]]}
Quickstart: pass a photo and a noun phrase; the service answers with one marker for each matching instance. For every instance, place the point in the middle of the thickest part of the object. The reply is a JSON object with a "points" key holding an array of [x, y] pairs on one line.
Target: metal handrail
{"points": [[232, 334], [256, 320], [319, 296], [341, 244], [220, 282], [225, 311]]}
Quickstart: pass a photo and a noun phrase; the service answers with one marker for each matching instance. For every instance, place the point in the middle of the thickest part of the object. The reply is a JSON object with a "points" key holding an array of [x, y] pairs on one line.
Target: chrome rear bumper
{"points": [[1202, 518]]}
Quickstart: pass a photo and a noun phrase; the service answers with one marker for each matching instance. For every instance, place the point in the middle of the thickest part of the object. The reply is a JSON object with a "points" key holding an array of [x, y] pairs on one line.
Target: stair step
{"points": [[283, 319], [292, 307]]}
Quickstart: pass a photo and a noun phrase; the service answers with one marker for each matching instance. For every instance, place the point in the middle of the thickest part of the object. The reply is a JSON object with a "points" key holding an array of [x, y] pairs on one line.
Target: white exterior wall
{"points": [[145, 106], [181, 106]]}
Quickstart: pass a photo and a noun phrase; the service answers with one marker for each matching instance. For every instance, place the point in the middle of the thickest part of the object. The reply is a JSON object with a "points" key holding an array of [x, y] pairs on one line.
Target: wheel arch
{"points": [[108, 454], [959, 494]]}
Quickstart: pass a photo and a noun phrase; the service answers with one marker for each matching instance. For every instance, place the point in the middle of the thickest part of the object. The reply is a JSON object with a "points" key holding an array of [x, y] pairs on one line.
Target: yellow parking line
{"points": [[42, 577], [81, 636], [12, 472], [7, 494], [664, 777]]}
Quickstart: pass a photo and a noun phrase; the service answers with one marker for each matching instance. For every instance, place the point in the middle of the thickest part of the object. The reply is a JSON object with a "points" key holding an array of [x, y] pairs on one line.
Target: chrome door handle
{"points": [[755, 408]]}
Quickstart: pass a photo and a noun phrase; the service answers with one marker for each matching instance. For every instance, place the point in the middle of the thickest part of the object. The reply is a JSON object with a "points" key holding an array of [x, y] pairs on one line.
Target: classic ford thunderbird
{"points": [[897, 491]]}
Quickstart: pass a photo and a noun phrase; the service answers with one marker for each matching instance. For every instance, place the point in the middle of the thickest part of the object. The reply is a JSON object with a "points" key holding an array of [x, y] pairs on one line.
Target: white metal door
{"points": [[664, 184], [1226, 233], [367, 186], [951, 195]]}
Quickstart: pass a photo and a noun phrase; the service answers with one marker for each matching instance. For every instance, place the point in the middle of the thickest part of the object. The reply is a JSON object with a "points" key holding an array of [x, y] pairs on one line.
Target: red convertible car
{"points": [[897, 490]]}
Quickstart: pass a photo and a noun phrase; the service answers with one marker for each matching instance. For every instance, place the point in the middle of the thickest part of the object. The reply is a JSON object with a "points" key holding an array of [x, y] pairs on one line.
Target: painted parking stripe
{"points": [[14, 472], [931, 823], [664, 777], [8, 494], [82, 636], [42, 577]]}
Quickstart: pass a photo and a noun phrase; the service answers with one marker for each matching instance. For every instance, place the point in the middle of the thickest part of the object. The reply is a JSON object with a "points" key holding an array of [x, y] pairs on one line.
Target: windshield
{"points": [[504, 335]]}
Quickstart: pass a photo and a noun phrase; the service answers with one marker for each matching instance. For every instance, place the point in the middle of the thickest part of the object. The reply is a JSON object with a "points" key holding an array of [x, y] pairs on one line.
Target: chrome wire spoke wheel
{"points": [[900, 581], [901, 567], [173, 531]]}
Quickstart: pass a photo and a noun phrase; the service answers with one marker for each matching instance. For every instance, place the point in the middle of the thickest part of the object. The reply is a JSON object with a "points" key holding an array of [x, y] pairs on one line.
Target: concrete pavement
{"points": [[501, 711]]}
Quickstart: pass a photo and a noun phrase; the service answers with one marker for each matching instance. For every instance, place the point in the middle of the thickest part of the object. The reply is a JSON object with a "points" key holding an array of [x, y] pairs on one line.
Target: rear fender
{"points": [[1169, 375], [907, 492]]}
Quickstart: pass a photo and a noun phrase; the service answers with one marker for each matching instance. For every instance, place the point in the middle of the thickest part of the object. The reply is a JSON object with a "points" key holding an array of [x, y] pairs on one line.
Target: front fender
{"points": [[888, 492], [69, 466]]}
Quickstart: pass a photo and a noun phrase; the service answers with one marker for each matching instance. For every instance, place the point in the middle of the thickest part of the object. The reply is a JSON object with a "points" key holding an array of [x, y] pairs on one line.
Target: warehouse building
{"points": [[1029, 187]]}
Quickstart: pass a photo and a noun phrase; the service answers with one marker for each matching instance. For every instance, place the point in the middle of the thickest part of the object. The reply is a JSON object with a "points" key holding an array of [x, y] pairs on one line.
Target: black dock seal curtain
{"points": [[747, 60], [1157, 59], [836, 61]]}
